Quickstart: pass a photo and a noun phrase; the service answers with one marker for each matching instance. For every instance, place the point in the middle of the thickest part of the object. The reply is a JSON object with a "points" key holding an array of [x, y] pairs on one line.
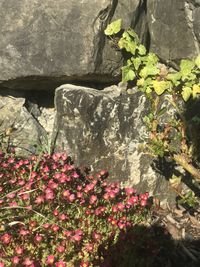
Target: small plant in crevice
{"points": [[167, 91], [54, 214]]}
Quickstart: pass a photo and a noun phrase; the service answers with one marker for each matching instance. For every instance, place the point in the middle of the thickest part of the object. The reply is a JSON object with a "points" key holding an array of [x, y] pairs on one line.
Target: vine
{"points": [[165, 88]]}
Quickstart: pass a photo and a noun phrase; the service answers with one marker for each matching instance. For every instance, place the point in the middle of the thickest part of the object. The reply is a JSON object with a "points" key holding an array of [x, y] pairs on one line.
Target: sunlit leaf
{"points": [[160, 86], [186, 93], [128, 45], [174, 77], [127, 74], [195, 90], [186, 67], [197, 61], [114, 27], [142, 50], [136, 62], [149, 70]]}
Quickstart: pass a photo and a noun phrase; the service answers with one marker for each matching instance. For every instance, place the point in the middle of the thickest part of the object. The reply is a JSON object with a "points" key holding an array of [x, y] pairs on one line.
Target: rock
{"points": [[104, 129], [49, 42], [174, 29], [18, 127]]}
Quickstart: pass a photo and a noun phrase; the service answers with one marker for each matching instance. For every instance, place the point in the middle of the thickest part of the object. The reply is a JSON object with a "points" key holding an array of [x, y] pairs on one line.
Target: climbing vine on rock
{"points": [[166, 89]]}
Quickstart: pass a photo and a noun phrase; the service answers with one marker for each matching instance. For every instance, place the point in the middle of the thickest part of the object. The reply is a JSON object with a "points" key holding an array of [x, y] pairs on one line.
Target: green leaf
{"points": [[128, 45], [195, 90], [152, 59], [127, 74], [148, 90], [142, 50], [134, 35], [186, 67], [149, 70], [174, 77], [113, 28], [197, 61], [186, 93], [160, 86], [136, 62]]}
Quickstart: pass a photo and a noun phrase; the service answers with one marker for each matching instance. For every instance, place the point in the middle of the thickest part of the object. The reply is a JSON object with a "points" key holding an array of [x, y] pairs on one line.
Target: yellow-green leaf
{"points": [[149, 70], [127, 74], [197, 61], [114, 27], [195, 90], [186, 93], [142, 50], [160, 86]]}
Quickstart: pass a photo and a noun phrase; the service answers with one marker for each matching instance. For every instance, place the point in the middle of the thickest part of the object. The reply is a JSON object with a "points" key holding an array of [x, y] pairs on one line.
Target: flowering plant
{"points": [[55, 214]]}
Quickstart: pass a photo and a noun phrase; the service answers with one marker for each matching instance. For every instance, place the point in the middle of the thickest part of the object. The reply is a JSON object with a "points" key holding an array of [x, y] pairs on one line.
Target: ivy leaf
{"points": [[186, 93], [134, 35], [197, 61], [152, 59], [142, 50], [160, 86], [127, 74], [174, 77], [128, 44], [186, 67], [149, 70], [195, 90], [136, 62], [113, 28]]}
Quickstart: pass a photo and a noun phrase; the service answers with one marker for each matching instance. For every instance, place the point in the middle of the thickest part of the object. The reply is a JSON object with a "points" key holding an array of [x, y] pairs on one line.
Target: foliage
{"points": [[165, 88], [53, 213]]}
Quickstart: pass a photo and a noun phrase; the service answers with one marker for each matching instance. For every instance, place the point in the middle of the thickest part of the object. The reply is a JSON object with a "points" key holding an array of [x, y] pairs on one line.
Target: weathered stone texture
{"points": [[174, 29], [104, 129], [18, 127], [47, 43]]}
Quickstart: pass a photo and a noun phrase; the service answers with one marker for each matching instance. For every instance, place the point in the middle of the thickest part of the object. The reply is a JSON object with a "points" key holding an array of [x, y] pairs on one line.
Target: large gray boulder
{"points": [[174, 28], [104, 130], [49, 42]]}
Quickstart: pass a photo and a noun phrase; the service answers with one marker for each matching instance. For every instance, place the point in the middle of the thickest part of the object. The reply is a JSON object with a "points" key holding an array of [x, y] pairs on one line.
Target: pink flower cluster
{"points": [[55, 213]]}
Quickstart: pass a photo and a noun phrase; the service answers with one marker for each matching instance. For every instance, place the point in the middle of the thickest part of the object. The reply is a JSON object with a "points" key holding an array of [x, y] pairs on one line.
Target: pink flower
{"points": [[143, 202], [2, 264], [55, 228], [71, 198], [97, 236], [129, 191], [60, 264], [75, 175], [63, 217], [55, 212], [60, 249], [50, 259], [66, 193], [38, 238], [27, 262], [19, 250], [23, 232], [93, 199], [85, 264], [79, 194], [89, 247], [6, 238], [39, 200], [15, 260], [120, 206]]}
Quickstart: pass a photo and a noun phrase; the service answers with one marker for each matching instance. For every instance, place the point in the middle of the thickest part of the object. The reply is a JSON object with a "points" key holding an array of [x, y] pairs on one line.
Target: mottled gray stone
{"points": [[104, 130], [174, 29], [24, 131], [48, 42]]}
